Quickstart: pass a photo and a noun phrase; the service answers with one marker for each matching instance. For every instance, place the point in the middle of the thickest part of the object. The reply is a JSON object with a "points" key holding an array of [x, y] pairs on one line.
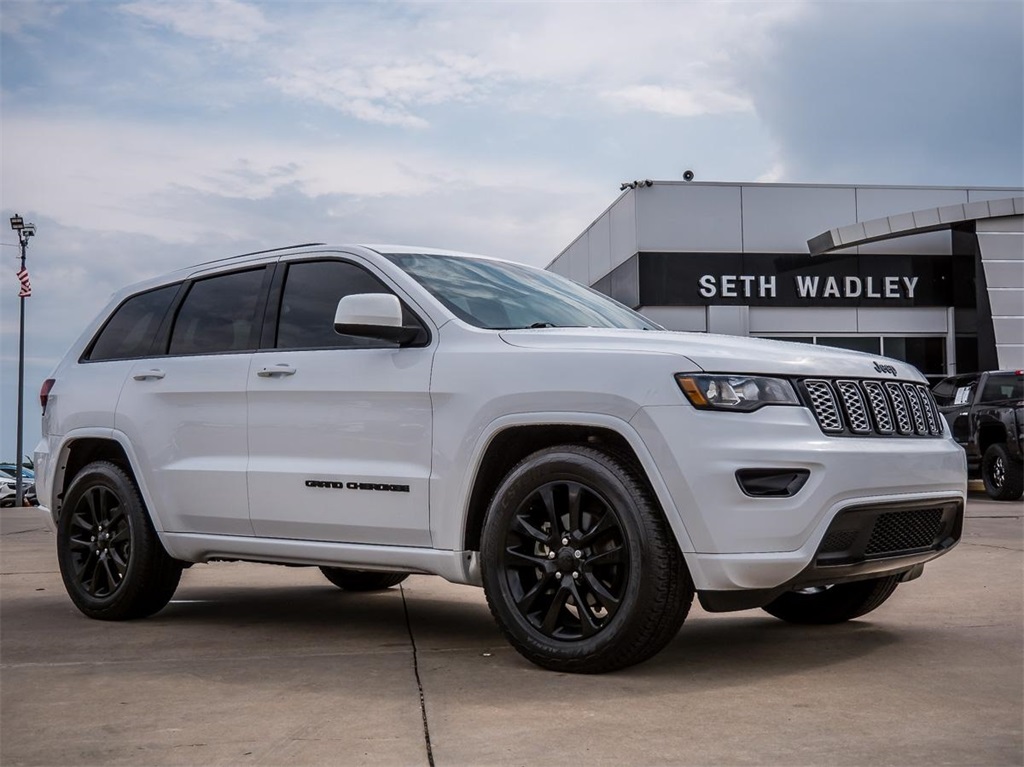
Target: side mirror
{"points": [[373, 315]]}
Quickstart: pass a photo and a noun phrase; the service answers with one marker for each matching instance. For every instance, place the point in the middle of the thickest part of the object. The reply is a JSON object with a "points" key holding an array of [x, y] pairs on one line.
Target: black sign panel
{"points": [[794, 279]]}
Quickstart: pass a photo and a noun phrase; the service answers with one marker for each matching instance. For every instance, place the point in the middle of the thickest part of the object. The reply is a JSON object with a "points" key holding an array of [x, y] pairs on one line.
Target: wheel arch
{"points": [[509, 440], [989, 434], [82, 447]]}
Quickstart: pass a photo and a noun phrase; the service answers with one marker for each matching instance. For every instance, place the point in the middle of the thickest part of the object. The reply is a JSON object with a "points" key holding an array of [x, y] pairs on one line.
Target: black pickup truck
{"points": [[985, 412]]}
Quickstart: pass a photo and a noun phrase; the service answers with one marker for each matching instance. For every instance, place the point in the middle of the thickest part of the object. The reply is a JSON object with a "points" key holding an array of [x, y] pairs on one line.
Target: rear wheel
{"points": [[111, 560], [833, 604], [580, 568], [1003, 476], [362, 580]]}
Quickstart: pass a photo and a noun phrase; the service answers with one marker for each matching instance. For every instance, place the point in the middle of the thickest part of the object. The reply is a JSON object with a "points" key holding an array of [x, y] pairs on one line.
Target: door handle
{"points": [[276, 370], [149, 375]]}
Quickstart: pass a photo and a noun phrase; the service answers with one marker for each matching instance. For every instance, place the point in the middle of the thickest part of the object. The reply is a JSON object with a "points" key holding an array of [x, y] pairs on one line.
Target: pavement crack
{"points": [[990, 546], [419, 682]]}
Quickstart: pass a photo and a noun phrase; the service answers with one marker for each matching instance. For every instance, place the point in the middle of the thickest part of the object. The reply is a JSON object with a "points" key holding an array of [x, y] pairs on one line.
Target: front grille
{"points": [[884, 531], [879, 407], [904, 531], [872, 408], [853, 405], [823, 402], [837, 540]]}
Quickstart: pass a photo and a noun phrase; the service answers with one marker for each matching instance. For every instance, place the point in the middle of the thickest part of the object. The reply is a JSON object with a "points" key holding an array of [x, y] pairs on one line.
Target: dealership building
{"points": [[930, 275]]}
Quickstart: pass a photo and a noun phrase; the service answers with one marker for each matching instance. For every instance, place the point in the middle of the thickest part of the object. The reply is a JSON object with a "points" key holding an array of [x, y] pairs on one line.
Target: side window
{"points": [[130, 331], [1003, 387], [217, 314], [310, 298]]}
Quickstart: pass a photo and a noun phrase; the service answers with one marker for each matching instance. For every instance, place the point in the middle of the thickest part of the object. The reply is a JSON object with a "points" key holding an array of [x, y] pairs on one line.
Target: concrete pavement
{"points": [[263, 665]]}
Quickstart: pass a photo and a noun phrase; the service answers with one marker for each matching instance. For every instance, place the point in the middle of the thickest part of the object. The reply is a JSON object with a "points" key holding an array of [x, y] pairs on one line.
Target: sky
{"points": [[144, 136]]}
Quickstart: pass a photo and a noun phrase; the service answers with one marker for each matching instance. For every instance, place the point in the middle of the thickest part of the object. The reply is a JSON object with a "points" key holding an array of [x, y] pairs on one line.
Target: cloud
{"points": [[135, 177], [677, 102], [28, 17], [896, 92], [219, 21], [387, 63]]}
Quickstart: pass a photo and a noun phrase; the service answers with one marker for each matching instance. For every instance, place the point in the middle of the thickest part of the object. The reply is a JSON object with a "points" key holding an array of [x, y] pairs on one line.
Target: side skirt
{"points": [[454, 566]]}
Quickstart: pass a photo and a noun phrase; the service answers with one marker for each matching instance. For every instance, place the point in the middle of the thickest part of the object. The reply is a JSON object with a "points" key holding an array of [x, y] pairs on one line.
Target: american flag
{"points": [[26, 284]]}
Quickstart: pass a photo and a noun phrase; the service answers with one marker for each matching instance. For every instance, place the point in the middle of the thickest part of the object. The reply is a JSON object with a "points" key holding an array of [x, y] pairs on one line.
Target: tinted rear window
{"points": [[218, 314], [131, 330]]}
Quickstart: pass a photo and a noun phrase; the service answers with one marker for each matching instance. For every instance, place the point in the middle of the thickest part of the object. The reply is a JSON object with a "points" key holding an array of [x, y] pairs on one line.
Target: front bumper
{"points": [[742, 543], [863, 542]]}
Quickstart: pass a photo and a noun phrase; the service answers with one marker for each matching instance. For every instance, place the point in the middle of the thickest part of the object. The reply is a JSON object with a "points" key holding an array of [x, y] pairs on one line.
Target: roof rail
{"points": [[262, 252]]}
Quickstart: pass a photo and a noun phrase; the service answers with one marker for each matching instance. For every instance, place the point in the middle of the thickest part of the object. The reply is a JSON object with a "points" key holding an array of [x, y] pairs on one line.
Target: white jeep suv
{"points": [[379, 411]]}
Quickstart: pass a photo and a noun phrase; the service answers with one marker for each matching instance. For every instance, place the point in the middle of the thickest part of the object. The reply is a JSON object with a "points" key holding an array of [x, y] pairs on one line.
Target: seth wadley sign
{"points": [[807, 286]]}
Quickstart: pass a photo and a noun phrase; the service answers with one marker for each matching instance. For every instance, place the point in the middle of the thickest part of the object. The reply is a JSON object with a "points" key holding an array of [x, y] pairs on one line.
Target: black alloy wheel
{"points": [[580, 568], [100, 542], [111, 560], [565, 560]]}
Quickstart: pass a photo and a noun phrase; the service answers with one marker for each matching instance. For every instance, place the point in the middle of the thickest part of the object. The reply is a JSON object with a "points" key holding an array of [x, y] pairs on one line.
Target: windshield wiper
{"points": [[543, 325]]}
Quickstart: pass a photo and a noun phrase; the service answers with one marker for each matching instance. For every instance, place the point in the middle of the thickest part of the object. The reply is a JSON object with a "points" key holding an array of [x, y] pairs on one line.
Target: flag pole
{"points": [[19, 486], [24, 232]]}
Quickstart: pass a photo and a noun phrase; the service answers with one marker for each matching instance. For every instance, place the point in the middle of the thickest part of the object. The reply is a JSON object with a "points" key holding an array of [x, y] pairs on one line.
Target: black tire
{"points": [[580, 568], [1003, 476], [362, 580], [112, 563], [833, 604]]}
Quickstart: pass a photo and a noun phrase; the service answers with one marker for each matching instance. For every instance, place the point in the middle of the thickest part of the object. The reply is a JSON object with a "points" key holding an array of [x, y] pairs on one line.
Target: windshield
{"points": [[500, 296]]}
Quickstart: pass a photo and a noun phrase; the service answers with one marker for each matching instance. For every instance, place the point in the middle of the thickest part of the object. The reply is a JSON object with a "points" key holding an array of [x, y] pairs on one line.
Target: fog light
{"points": [[771, 483]]}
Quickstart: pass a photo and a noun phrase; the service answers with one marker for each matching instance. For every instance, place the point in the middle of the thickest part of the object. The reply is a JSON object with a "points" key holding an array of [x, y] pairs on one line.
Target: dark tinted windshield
{"points": [[500, 295]]}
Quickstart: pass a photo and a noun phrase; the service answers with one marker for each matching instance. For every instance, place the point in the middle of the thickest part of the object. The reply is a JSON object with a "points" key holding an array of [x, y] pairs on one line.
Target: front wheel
{"points": [[580, 568], [112, 563], [1003, 476], [833, 604]]}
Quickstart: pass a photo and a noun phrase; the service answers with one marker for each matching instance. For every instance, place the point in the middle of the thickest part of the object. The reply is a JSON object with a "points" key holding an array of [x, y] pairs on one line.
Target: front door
{"points": [[339, 426]]}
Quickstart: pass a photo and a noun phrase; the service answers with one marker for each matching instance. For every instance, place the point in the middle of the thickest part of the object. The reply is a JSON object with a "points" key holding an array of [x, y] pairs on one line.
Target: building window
{"points": [[926, 353], [868, 344]]}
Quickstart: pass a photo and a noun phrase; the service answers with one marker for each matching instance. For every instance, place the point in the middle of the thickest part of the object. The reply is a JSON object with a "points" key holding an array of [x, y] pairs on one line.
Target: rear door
{"points": [[130, 334], [185, 412], [339, 426]]}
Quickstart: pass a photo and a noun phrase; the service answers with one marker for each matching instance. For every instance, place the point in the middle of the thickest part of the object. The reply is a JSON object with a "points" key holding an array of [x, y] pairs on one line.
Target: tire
{"points": [[112, 563], [1003, 476], [362, 580], [833, 604], [580, 568]]}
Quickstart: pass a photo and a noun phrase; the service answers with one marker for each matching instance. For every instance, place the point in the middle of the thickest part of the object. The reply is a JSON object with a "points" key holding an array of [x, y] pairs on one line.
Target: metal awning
{"points": [[919, 221]]}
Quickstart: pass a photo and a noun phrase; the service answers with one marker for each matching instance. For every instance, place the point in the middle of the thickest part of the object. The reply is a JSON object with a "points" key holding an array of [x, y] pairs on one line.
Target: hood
{"points": [[718, 354]]}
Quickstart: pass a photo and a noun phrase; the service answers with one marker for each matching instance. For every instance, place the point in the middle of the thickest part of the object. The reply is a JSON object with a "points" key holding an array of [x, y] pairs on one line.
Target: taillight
{"points": [[44, 391]]}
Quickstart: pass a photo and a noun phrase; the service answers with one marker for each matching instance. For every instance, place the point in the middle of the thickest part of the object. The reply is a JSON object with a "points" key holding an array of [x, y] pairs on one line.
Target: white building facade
{"points": [[930, 275]]}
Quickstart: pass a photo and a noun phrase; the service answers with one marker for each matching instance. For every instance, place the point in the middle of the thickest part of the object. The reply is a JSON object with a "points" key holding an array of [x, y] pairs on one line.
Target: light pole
{"points": [[24, 232]]}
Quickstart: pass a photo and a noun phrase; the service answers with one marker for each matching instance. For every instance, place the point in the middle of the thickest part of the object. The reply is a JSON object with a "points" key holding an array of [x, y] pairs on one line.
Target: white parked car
{"points": [[379, 411], [8, 491]]}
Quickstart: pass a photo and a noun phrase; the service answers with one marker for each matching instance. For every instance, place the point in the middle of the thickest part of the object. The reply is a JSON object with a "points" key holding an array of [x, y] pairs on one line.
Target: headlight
{"points": [[736, 392]]}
